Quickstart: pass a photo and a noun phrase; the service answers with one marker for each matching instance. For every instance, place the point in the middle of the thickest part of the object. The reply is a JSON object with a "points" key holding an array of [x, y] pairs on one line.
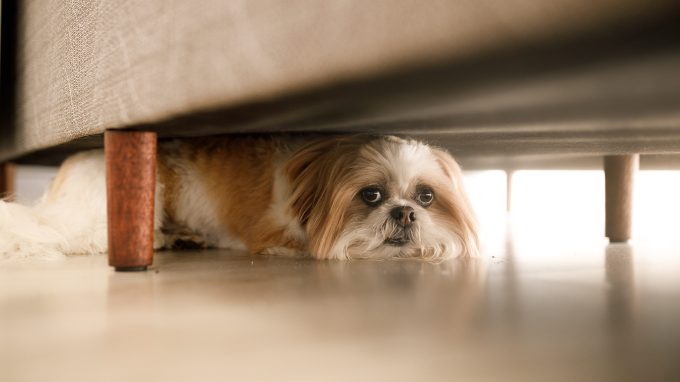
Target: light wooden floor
{"points": [[608, 314], [541, 304]]}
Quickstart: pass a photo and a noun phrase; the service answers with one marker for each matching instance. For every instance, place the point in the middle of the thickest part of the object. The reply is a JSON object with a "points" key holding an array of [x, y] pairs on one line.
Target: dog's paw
{"points": [[191, 243], [180, 239]]}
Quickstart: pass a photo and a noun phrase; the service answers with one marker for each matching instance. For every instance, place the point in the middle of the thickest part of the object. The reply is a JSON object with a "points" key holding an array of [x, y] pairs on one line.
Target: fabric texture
{"points": [[86, 66]]}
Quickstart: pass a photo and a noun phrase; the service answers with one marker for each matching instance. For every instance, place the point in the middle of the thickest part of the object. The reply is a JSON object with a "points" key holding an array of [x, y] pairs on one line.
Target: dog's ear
{"points": [[305, 171], [457, 205], [449, 166], [321, 191]]}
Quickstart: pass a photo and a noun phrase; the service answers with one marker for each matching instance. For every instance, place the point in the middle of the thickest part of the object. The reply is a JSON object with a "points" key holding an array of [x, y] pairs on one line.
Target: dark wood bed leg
{"points": [[619, 173], [6, 180], [130, 191]]}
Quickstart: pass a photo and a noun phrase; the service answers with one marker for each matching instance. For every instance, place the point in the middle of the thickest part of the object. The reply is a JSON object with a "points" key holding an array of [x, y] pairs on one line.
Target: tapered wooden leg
{"points": [[6, 180], [130, 188], [619, 172]]}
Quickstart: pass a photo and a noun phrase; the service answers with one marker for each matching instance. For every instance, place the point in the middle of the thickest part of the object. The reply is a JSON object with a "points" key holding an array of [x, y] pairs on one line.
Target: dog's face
{"points": [[364, 197]]}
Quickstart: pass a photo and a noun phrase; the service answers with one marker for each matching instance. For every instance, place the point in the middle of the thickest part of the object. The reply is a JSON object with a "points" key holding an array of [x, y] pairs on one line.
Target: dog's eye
{"points": [[372, 196], [425, 196]]}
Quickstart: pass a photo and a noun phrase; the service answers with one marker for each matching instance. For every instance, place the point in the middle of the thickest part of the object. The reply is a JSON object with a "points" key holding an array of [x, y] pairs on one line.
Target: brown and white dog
{"points": [[329, 197]]}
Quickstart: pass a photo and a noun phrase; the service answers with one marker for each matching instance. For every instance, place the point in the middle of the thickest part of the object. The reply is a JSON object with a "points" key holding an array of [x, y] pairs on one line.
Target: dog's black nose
{"points": [[404, 215]]}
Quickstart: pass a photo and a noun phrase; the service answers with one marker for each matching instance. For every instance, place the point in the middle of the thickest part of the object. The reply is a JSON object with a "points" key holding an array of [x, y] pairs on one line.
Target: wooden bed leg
{"points": [[6, 180], [619, 173], [130, 191]]}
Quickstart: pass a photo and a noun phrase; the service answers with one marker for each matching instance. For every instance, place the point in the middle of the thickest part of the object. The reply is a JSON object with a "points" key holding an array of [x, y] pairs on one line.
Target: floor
{"points": [[549, 300]]}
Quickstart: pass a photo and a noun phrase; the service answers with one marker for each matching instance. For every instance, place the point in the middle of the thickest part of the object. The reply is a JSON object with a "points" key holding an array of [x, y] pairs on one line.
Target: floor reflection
{"points": [[620, 311], [620, 278], [511, 305]]}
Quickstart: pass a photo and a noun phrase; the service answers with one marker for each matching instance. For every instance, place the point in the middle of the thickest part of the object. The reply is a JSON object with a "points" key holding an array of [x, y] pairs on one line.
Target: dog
{"points": [[341, 197]]}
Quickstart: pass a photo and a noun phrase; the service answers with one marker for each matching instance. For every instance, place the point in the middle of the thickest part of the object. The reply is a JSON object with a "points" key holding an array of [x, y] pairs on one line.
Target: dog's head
{"points": [[380, 197]]}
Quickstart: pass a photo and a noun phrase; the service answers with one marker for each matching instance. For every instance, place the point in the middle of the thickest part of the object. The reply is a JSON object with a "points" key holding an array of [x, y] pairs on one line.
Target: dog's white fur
{"points": [[71, 217], [404, 164]]}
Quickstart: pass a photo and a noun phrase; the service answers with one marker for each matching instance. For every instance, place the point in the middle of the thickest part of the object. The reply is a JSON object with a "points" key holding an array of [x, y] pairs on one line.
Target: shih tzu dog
{"points": [[331, 197]]}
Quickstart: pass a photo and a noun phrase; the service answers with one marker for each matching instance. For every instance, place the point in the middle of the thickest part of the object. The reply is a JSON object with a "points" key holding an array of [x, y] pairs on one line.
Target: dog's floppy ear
{"points": [[321, 191], [305, 171], [458, 205]]}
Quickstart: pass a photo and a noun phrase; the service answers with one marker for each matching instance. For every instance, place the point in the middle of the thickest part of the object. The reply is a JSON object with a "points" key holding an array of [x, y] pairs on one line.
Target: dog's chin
{"points": [[389, 250], [396, 242], [408, 250], [399, 248], [354, 245]]}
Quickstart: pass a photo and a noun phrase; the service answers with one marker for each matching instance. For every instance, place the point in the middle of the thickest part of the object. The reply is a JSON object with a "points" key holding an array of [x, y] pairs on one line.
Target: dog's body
{"points": [[333, 198]]}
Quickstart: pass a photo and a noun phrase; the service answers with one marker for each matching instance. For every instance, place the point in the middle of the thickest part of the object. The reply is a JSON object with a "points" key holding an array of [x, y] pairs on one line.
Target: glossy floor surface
{"points": [[548, 300], [212, 315]]}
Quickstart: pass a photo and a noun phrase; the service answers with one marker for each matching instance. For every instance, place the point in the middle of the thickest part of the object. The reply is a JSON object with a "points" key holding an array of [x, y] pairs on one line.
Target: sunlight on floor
{"points": [[551, 204]]}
